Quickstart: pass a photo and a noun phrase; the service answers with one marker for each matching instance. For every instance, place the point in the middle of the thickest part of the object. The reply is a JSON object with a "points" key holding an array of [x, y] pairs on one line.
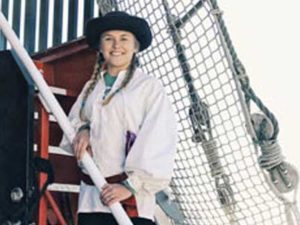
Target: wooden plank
{"points": [[30, 20], [4, 9], [69, 174], [44, 23], [72, 20], [57, 29], [16, 17], [63, 50], [88, 12]]}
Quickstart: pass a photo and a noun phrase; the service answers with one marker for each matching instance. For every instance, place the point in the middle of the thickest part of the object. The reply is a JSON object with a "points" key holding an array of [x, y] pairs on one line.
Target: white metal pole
{"points": [[116, 208]]}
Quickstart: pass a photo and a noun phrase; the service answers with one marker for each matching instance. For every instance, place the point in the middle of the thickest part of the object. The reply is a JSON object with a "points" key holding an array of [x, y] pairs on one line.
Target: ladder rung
{"points": [[54, 150], [73, 188]]}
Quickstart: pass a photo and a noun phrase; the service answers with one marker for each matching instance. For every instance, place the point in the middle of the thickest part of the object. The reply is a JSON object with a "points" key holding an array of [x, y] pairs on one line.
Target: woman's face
{"points": [[118, 47]]}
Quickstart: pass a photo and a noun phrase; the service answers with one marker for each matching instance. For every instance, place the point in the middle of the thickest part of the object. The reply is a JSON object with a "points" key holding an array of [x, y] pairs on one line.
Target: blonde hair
{"points": [[93, 81], [129, 75], [96, 76]]}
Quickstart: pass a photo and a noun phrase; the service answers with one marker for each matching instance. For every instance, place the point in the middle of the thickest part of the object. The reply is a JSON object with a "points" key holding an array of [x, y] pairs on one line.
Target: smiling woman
{"points": [[125, 121], [229, 168], [118, 48]]}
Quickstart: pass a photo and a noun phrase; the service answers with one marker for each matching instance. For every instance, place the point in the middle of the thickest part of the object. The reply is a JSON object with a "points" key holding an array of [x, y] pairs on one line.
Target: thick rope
{"points": [[211, 152], [241, 71], [250, 94], [271, 157], [224, 190]]}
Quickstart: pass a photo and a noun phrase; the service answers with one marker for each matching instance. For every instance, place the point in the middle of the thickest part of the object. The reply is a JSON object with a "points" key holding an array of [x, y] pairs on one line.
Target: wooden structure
{"points": [[41, 13], [65, 68]]}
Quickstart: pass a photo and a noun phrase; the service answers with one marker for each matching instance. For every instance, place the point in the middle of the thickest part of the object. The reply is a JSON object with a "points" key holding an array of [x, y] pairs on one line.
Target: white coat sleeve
{"points": [[74, 119], [149, 164]]}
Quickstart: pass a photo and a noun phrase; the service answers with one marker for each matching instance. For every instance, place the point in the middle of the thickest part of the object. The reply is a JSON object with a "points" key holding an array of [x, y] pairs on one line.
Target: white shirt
{"points": [[142, 107]]}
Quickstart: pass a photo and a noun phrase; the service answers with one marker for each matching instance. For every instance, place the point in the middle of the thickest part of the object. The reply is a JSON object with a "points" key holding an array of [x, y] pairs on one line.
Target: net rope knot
{"points": [[224, 190], [271, 155], [211, 152], [271, 159]]}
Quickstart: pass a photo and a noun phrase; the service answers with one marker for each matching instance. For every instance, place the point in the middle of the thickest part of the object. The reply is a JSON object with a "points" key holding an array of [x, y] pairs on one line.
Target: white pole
{"points": [[116, 208]]}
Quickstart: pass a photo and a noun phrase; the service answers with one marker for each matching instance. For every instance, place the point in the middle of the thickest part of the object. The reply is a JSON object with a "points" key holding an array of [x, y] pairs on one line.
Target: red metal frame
{"points": [[43, 145], [67, 67], [55, 208]]}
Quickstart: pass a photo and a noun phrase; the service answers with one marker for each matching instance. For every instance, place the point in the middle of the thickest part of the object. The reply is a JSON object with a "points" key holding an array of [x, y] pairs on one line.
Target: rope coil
{"points": [[271, 155], [211, 152]]}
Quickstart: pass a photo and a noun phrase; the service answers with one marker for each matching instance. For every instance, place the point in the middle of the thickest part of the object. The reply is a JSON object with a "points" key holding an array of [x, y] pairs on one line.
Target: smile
{"points": [[116, 53]]}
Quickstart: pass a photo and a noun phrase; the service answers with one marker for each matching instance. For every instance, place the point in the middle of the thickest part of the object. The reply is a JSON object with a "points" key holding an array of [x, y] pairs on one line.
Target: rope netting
{"points": [[228, 161], [217, 178]]}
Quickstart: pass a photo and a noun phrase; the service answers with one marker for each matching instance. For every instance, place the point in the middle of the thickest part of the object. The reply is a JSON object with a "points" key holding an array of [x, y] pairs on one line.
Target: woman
{"points": [[124, 120]]}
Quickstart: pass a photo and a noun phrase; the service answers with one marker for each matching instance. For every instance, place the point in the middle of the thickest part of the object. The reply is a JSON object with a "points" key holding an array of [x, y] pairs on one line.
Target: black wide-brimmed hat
{"points": [[118, 21]]}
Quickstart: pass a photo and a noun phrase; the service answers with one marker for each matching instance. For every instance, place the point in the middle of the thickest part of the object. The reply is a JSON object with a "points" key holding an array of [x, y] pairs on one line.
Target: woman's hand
{"points": [[112, 193], [81, 144]]}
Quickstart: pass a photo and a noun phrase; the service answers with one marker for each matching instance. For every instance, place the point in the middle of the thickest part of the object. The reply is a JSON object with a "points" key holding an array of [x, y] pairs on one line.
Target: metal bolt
{"points": [[16, 194]]}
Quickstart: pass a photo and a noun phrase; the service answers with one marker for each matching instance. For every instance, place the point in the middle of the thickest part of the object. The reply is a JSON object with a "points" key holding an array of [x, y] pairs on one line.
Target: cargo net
{"points": [[218, 177]]}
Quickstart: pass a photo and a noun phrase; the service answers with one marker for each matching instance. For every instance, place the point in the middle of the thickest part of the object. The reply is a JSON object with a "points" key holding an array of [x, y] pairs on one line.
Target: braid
{"points": [[131, 70], [129, 75], [94, 79]]}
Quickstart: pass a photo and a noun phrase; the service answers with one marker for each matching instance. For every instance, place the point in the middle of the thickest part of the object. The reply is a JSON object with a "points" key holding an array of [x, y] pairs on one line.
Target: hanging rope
{"points": [[200, 119], [283, 175], [240, 71]]}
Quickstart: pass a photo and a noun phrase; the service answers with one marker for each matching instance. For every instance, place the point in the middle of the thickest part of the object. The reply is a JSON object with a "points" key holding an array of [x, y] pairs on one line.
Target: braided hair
{"points": [[94, 79], [96, 76], [129, 75]]}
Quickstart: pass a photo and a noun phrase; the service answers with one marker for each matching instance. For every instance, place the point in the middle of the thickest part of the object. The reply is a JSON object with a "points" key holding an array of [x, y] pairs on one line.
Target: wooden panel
{"points": [[88, 11], [72, 19], [43, 35], [66, 170], [57, 24], [74, 71], [16, 17], [30, 19], [68, 66]]}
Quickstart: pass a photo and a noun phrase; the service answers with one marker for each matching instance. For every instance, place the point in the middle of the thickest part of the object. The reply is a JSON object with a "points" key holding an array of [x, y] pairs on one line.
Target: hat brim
{"points": [[139, 27]]}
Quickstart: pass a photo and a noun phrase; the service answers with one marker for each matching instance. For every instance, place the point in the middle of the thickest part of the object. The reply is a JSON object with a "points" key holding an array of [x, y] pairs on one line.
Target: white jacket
{"points": [[143, 108]]}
